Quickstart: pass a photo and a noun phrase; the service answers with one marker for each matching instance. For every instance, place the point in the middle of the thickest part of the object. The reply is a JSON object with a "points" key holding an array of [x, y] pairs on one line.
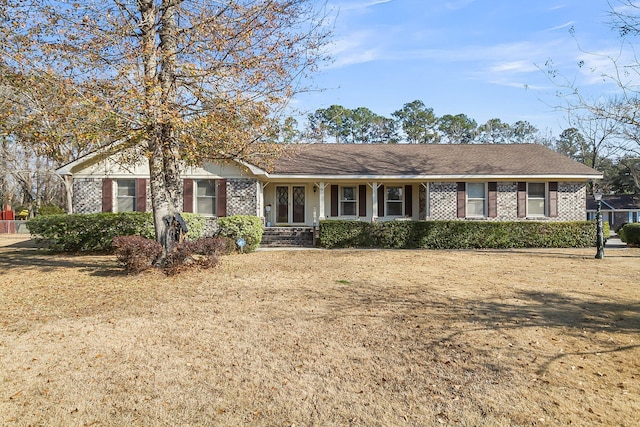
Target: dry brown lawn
{"points": [[363, 338]]}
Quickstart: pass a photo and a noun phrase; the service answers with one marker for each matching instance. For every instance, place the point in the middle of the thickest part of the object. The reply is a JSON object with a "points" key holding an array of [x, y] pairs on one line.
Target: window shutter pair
{"points": [[362, 200], [492, 199], [107, 195], [552, 198], [408, 200], [221, 195]]}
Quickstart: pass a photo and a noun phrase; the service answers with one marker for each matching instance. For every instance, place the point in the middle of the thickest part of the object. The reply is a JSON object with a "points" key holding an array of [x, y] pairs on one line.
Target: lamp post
{"points": [[600, 238]]}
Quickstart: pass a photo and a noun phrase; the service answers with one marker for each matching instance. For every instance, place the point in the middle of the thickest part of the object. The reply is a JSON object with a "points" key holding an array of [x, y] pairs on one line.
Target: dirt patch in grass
{"points": [[527, 337]]}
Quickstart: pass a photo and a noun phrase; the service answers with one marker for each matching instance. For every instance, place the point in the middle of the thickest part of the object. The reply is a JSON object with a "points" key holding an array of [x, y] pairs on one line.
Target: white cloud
{"points": [[519, 66], [357, 48], [560, 27]]}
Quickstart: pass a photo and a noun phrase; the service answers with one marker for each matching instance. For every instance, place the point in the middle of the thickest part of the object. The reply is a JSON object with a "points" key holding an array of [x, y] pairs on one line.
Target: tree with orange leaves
{"points": [[177, 82]]}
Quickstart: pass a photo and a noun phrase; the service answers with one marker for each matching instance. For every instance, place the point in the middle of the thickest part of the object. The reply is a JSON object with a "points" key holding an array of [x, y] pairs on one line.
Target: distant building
{"points": [[617, 209]]}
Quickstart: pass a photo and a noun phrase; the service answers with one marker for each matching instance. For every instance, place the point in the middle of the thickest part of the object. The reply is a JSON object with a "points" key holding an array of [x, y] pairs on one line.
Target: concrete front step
{"points": [[287, 236]]}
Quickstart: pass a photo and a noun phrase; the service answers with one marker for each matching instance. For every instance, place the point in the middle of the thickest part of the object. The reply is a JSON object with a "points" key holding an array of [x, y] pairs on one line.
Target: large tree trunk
{"points": [[166, 187], [164, 159]]}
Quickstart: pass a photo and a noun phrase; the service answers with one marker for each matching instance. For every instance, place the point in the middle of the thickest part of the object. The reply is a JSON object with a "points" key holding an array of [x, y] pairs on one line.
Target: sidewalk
{"points": [[614, 242], [12, 239]]}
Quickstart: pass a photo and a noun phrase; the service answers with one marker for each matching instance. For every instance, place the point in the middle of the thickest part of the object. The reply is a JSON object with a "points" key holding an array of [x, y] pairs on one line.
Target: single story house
{"points": [[376, 182], [617, 209]]}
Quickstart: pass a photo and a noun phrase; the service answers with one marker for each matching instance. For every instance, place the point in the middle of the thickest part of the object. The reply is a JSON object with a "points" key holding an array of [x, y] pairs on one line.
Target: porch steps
{"points": [[287, 237]]}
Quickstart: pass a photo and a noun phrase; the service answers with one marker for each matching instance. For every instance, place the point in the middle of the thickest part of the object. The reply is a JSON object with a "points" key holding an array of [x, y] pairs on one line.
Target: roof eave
{"points": [[581, 177]]}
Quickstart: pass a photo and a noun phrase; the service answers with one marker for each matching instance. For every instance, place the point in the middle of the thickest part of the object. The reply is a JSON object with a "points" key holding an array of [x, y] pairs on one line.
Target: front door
{"points": [[290, 204]]}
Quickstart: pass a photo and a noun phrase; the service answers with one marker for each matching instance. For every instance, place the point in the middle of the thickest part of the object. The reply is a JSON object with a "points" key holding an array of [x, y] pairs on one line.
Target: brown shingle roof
{"points": [[616, 202], [427, 160]]}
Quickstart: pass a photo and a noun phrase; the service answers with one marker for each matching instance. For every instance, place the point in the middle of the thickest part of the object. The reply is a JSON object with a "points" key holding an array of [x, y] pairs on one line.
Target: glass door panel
{"points": [[298, 204], [282, 204]]}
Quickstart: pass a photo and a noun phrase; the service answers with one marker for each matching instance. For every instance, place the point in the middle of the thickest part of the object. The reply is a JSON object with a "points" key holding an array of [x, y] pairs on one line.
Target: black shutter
{"points": [[362, 200], [381, 201], [334, 200], [408, 200]]}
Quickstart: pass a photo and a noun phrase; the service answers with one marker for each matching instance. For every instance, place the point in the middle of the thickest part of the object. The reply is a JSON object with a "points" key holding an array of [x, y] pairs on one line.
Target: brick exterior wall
{"points": [[571, 202], [442, 200], [242, 197], [422, 200], [87, 195], [507, 202]]}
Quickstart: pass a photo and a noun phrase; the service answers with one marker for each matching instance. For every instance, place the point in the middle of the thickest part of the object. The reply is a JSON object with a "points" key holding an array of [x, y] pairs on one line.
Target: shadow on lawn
{"points": [[561, 314], [24, 255]]}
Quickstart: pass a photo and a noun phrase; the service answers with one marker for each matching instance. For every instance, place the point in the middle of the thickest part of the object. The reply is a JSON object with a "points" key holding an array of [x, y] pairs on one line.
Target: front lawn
{"points": [[373, 337]]}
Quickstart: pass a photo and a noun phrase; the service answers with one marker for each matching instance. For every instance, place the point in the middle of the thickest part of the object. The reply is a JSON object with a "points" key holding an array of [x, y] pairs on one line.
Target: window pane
{"points": [[535, 207], [126, 204], [206, 196], [206, 188], [348, 208], [394, 193], [206, 206], [536, 190], [348, 193], [394, 209], [475, 207], [475, 190], [126, 187]]}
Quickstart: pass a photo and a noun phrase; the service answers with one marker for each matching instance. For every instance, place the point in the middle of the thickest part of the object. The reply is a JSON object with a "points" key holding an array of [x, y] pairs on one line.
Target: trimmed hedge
{"points": [[246, 226], [630, 234], [457, 234], [95, 232]]}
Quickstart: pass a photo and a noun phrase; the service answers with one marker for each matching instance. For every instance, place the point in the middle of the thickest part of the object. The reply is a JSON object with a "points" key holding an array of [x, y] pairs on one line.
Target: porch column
{"points": [[260, 204], [262, 213], [374, 201], [68, 188], [322, 216]]}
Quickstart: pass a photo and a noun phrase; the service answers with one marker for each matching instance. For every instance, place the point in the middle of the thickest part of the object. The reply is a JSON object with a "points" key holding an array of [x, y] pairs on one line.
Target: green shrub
{"points": [[457, 234], [242, 226], [196, 224], [630, 234], [95, 232]]}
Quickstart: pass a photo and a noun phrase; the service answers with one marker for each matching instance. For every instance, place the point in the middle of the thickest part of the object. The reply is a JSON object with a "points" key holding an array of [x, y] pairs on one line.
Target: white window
{"points": [[394, 201], [205, 191], [536, 199], [125, 195], [476, 199], [348, 201]]}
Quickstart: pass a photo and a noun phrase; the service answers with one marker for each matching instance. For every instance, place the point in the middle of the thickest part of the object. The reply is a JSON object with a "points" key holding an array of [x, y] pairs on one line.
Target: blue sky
{"points": [[482, 58]]}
